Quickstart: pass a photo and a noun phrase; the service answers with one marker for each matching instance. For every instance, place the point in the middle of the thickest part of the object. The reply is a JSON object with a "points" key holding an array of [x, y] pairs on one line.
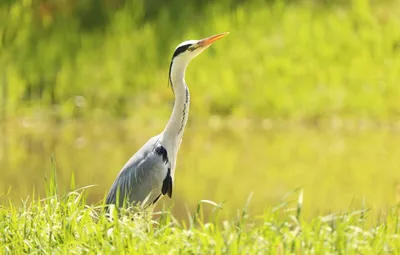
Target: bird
{"points": [[149, 173]]}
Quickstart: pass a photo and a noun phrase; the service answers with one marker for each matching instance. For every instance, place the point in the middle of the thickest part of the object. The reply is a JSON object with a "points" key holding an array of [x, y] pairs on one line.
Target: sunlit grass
{"points": [[60, 224]]}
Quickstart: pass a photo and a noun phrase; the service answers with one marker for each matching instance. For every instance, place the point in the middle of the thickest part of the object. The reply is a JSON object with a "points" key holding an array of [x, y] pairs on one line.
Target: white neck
{"points": [[173, 132]]}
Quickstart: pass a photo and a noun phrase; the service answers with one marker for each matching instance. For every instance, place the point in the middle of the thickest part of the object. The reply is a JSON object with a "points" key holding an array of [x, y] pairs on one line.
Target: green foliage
{"points": [[65, 224], [303, 60]]}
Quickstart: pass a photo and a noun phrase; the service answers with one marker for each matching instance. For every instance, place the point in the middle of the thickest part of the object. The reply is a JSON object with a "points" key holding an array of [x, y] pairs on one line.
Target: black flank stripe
{"points": [[167, 184]]}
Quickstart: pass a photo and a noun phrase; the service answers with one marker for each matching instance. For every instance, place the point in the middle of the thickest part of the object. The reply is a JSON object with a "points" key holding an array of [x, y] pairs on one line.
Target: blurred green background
{"points": [[300, 94]]}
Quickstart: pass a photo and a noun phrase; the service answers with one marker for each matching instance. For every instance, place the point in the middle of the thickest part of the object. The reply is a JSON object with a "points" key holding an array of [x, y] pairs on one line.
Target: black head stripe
{"points": [[178, 51], [169, 77], [181, 49]]}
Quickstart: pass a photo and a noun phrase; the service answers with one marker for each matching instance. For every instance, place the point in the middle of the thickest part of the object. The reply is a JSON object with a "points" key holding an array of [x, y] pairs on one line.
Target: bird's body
{"points": [[149, 173], [136, 173]]}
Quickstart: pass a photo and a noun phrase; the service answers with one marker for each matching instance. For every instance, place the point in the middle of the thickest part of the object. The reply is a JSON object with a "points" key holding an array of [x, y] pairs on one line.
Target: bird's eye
{"points": [[192, 48]]}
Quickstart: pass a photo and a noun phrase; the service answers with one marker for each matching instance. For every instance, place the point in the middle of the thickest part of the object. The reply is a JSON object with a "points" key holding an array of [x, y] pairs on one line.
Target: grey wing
{"points": [[146, 175]]}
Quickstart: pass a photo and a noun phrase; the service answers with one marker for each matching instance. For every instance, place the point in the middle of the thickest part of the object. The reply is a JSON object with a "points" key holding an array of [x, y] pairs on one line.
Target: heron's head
{"points": [[188, 50]]}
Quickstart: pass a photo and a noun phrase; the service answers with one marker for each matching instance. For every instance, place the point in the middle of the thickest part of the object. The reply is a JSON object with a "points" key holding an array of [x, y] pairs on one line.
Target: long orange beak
{"points": [[209, 40]]}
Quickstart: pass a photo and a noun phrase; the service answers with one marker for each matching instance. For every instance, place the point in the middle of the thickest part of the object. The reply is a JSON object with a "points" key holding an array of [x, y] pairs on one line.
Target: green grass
{"points": [[65, 224]]}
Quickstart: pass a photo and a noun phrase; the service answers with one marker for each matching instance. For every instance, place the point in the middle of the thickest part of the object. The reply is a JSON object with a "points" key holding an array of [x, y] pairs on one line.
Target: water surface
{"points": [[338, 168]]}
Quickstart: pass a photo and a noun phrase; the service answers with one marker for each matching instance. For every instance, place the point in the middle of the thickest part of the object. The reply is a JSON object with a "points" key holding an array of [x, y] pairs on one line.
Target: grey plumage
{"points": [[143, 175]]}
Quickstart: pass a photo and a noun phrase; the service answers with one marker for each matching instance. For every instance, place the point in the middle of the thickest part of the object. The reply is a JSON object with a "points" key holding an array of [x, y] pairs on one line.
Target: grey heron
{"points": [[149, 173]]}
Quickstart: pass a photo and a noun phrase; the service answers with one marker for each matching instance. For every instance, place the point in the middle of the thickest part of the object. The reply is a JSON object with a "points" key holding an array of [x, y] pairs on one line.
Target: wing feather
{"points": [[142, 176]]}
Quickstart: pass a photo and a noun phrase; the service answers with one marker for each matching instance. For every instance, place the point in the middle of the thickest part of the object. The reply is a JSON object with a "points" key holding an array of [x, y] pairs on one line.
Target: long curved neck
{"points": [[174, 130]]}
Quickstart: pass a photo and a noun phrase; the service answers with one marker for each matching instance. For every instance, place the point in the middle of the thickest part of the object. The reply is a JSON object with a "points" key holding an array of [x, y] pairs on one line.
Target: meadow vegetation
{"points": [[66, 224], [291, 60], [300, 94]]}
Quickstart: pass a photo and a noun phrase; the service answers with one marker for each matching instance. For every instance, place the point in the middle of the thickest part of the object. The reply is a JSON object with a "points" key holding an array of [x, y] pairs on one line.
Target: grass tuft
{"points": [[60, 224]]}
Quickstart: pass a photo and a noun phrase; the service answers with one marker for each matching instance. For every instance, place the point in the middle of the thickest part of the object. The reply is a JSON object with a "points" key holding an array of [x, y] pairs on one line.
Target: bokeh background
{"points": [[300, 94]]}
